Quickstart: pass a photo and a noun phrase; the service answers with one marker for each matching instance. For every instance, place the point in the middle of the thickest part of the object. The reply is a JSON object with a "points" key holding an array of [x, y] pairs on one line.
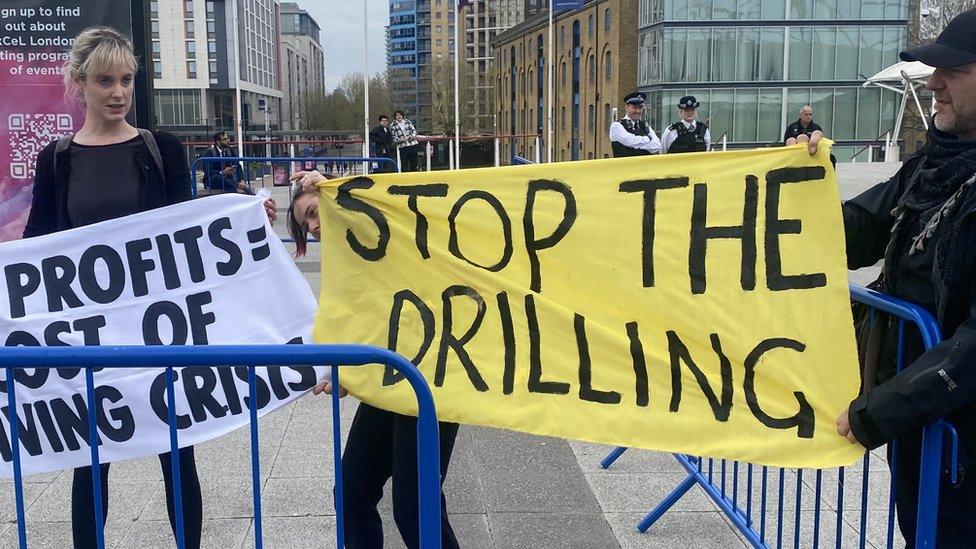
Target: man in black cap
{"points": [[804, 126], [687, 134], [631, 136], [922, 222]]}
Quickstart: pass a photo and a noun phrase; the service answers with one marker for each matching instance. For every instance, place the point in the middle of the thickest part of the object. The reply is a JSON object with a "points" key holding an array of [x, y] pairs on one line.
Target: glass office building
{"points": [[753, 63]]}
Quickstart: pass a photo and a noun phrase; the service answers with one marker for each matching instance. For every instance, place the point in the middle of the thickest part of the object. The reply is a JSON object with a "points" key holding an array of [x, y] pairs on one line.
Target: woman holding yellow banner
{"points": [[381, 444]]}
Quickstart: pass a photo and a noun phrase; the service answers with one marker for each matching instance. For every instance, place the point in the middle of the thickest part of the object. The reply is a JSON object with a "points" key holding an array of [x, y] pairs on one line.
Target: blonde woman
{"points": [[71, 189]]}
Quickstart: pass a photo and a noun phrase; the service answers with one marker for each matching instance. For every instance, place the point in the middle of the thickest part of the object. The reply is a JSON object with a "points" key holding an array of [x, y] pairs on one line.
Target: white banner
{"points": [[206, 272]]}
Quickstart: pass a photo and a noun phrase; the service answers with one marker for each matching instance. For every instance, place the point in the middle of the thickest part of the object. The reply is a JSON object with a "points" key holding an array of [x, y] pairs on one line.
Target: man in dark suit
{"points": [[225, 176], [381, 145]]}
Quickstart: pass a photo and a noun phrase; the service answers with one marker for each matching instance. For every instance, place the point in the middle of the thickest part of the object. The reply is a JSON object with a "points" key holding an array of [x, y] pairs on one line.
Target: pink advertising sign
{"points": [[35, 37]]}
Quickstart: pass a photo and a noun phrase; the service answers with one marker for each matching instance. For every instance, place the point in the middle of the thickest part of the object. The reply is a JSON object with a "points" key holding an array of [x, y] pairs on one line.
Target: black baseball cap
{"points": [[955, 46], [688, 102], [636, 98]]}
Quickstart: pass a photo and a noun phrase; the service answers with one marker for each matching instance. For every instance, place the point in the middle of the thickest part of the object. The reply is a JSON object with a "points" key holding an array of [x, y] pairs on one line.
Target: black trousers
{"points": [[955, 525], [408, 159], [381, 445], [83, 509]]}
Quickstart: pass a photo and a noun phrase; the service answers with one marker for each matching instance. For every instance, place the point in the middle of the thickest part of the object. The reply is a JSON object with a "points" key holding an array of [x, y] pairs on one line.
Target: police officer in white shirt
{"points": [[631, 136], [687, 134]]}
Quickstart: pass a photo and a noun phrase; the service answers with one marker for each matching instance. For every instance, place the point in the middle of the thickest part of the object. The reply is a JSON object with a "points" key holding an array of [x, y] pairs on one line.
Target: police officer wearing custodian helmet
{"points": [[631, 136], [687, 134]]}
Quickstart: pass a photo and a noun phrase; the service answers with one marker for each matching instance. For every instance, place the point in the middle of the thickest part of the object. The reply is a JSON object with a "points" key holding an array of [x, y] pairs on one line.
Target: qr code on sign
{"points": [[29, 133]]}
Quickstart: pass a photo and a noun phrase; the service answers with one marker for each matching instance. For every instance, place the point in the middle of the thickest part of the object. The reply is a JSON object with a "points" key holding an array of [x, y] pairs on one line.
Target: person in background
{"points": [[631, 136], [222, 176], [687, 134], [804, 126], [922, 223], [381, 145], [405, 139], [71, 189], [381, 444]]}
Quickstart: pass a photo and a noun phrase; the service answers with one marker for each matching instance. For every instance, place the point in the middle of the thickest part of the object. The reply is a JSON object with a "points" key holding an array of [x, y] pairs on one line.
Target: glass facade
{"points": [[178, 107], [656, 11], [753, 63]]}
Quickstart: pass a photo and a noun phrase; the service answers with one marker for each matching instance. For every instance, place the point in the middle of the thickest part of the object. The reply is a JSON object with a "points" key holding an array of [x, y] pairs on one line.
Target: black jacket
{"points": [[212, 169], [49, 208], [796, 129], [381, 142], [942, 381]]}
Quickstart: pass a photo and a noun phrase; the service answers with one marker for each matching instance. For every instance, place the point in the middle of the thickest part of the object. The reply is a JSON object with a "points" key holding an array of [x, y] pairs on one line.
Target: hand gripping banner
{"points": [[691, 303], [206, 272]]}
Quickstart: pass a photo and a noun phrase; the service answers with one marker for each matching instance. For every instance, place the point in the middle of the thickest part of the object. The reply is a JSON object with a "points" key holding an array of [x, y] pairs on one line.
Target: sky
{"points": [[341, 22]]}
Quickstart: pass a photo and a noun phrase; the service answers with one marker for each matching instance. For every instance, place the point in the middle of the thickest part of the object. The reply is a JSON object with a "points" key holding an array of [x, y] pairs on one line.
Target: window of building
{"points": [[212, 46], [562, 118], [439, 42], [177, 107], [191, 69], [210, 7], [606, 20], [591, 61], [188, 25], [155, 48], [154, 9], [191, 49], [745, 119], [437, 15], [438, 28], [607, 116], [188, 8], [562, 36], [157, 69], [155, 29], [608, 63], [213, 68], [211, 26], [591, 117], [562, 75], [589, 26]]}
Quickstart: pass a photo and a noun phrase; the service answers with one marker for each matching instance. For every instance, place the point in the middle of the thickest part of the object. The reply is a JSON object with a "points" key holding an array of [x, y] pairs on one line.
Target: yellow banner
{"points": [[692, 303]]}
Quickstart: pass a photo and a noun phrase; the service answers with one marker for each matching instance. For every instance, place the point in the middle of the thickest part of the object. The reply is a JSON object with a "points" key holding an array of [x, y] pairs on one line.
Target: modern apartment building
{"points": [[753, 63], [196, 67], [302, 65], [420, 56], [420, 49], [483, 21], [596, 65]]}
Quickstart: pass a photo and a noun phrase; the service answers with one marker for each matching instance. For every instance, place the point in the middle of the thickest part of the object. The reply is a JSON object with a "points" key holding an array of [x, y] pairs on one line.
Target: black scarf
{"points": [[944, 179], [948, 162]]}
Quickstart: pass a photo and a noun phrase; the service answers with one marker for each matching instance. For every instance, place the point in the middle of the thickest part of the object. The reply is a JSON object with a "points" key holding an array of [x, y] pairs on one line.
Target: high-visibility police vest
{"points": [[688, 141], [637, 128]]}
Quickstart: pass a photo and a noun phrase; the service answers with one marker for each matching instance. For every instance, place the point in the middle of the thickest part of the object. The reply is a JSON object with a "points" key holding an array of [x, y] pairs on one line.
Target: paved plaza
{"points": [[504, 489]]}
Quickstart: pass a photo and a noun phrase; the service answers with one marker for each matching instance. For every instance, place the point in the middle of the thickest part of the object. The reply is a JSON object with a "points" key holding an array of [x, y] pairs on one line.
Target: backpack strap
{"points": [[147, 136], [64, 142], [62, 145]]}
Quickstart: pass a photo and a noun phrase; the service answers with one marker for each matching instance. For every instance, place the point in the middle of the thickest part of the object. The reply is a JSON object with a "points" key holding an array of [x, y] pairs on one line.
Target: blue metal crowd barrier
{"points": [[340, 160], [725, 492], [521, 160], [13, 358]]}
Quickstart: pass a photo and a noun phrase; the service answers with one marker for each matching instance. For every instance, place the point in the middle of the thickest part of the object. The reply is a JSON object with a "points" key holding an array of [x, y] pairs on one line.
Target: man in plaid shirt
{"points": [[405, 138]]}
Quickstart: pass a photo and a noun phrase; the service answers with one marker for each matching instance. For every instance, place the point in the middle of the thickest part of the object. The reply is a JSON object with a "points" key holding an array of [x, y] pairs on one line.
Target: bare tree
{"points": [[441, 74], [933, 16], [342, 108]]}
